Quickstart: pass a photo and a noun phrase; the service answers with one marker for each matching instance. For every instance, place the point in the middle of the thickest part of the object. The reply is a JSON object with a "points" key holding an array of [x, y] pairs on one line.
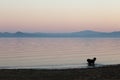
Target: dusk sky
{"points": [[59, 15]]}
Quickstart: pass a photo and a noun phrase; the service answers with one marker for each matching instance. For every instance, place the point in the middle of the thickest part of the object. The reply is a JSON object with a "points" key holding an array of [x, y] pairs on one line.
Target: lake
{"points": [[57, 52]]}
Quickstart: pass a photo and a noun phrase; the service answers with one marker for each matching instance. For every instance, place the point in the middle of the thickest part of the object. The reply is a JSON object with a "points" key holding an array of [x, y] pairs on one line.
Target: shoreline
{"points": [[108, 72], [55, 66]]}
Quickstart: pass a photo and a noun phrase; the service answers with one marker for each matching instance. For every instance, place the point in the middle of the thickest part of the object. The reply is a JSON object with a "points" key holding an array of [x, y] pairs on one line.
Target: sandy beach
{"points": [[100, 73]]}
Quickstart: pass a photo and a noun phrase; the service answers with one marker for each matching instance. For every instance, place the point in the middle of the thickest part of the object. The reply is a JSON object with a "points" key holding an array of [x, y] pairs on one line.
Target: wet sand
{"points": [[100, 73]]}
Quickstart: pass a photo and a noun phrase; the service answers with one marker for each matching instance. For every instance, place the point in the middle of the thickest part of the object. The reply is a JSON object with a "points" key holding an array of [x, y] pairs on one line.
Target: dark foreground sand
{"points": [[101, 73]]}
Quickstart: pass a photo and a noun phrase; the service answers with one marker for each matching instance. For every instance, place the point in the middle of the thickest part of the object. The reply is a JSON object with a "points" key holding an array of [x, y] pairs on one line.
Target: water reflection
{"points": [[50, 52]]}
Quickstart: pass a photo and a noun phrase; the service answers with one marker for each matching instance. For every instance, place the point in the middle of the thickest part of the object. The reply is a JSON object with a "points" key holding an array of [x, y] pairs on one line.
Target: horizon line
{"points": [[60, 32]]}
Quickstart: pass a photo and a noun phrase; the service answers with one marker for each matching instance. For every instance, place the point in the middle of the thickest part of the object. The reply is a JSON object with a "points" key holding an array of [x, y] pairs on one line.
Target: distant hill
{"points": [[86, 33]]}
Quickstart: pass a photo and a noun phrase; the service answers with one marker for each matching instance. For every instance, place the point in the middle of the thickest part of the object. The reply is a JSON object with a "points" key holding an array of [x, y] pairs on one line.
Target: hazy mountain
{"points": [[86, 33]]}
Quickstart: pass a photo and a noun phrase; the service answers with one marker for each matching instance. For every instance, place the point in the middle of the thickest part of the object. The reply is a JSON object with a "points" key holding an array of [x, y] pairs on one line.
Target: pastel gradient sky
{"points": [[59, 15]]}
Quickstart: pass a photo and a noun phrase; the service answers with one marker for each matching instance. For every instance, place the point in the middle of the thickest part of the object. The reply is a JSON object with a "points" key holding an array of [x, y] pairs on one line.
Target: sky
{"points": [[59, 15]]}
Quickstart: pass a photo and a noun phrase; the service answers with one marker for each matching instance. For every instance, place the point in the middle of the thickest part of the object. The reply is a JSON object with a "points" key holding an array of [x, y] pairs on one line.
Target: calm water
{"points": [[57, 52]]}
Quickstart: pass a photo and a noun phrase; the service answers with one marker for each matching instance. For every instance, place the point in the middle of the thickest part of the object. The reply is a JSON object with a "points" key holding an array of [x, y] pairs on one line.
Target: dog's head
{"points": [[94, 58]]}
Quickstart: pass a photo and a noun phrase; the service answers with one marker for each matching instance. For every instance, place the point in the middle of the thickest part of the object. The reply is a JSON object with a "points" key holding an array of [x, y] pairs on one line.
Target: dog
{"points": [[91, 62]]}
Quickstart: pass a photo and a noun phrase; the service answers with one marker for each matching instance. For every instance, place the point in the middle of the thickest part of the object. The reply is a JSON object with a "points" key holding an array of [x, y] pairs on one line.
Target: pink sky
{"points": [[59, 16]]}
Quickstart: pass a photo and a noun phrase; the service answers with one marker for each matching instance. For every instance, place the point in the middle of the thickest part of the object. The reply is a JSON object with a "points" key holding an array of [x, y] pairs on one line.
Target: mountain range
{"points": [[86, 33]]}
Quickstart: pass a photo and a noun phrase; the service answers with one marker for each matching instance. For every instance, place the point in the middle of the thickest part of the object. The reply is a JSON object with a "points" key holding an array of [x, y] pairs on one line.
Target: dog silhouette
{"points": [[91, 62]]}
